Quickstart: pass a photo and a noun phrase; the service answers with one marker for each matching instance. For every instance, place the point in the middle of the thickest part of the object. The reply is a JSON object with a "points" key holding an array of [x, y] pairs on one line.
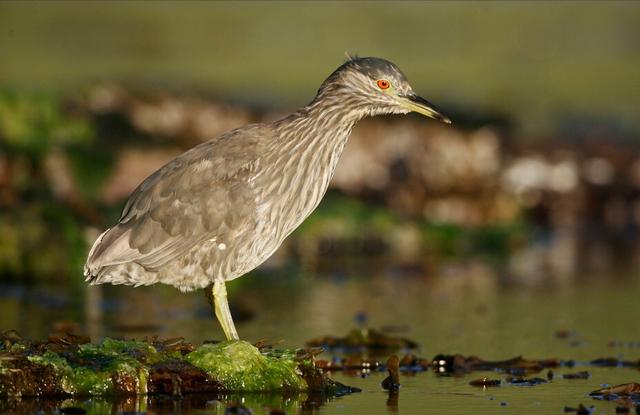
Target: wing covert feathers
{"points": [[200, 194]]}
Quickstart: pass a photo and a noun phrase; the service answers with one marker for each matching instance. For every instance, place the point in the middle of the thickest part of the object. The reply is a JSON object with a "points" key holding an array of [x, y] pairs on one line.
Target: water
{"points": [[470, 309]]}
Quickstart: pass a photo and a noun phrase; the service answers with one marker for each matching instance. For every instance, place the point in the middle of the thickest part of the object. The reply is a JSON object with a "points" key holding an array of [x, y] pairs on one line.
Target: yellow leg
{"points": [[217, 296]]}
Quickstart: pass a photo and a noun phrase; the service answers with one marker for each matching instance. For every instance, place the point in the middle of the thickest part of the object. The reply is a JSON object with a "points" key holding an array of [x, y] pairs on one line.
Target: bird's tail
{"points": [[92, 267]]}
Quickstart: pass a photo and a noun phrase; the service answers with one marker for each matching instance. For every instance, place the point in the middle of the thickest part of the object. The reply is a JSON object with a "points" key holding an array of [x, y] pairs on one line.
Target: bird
{"points": [[220, 209]]}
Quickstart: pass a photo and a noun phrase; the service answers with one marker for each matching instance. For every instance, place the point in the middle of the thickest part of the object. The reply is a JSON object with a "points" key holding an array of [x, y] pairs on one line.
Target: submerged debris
{"points": [[577, 375], [350, 363], [364, 339], [580, 410], [485, 382], [71, 366], [627, 394], [520, 381], [614, 362], [516, 366]]}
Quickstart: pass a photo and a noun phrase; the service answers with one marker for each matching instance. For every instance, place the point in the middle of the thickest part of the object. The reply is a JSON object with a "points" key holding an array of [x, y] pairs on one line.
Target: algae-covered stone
{"points": [[240, 366], [65, 366], [111, 367]]}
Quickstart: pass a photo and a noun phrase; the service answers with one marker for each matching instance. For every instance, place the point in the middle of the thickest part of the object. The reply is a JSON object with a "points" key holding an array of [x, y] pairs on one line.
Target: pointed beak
{"points": [[422, 106]]}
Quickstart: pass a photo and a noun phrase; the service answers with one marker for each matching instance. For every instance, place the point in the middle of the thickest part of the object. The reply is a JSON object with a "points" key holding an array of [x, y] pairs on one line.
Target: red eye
{"points": [[383, 84]]}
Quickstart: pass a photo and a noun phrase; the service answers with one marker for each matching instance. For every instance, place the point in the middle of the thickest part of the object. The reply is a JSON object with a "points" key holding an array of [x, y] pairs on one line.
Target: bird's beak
{"points": [[422, 106]]}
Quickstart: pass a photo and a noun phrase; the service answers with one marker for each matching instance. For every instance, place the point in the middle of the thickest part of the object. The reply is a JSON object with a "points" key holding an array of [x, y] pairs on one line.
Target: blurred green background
{"points": [[535, 61]]}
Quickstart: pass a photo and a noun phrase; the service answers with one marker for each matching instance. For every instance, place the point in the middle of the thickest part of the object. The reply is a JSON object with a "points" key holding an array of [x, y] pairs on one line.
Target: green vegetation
{"points": [[41, 232], [103, 369], [85, 380], [34, 124], [70, 365], [240, 366]]}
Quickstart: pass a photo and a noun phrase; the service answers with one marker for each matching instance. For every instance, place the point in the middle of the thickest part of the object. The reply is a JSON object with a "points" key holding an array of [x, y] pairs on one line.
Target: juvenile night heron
{"points": [[222, 208]]}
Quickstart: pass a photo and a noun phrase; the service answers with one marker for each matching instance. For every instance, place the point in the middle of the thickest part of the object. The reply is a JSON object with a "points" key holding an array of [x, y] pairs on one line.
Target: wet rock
{"points": [[69, 339], [411, 363], [519, 381], [606, 362], [450, 364], [627, 394], [613, 362], [623, 389], [21, 377], [407, 360], [485, 382], [392, 382], [577, 375], [177, 377], [176, 344]]}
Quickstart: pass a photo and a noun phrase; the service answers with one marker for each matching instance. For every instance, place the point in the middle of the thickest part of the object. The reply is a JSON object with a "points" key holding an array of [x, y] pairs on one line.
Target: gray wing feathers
{"points": [[198, 195]]}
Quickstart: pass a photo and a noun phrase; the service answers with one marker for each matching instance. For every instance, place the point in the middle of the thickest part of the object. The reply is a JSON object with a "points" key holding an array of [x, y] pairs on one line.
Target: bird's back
{"points": [[202, 194]]}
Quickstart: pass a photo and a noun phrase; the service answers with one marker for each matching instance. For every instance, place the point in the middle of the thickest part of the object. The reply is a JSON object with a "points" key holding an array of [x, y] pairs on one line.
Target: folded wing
{"points": [[199, 195]]}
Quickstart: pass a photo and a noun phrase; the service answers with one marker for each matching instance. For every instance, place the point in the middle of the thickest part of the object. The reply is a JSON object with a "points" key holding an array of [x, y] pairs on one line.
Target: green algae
{"points": [[240, 366], [110, 348], [71, 366], [111, 367]]}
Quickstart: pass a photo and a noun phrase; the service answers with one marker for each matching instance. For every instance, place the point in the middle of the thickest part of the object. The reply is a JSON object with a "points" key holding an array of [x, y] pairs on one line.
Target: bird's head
{"points": [[375, 86]]}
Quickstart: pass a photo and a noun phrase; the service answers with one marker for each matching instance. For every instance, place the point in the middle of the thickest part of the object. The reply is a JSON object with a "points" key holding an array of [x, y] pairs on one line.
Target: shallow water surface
{"points": [[470, 310]]}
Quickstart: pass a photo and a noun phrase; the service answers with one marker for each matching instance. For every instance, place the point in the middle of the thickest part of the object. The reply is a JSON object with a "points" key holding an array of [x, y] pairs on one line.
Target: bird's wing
{"points": [[202, 194]]}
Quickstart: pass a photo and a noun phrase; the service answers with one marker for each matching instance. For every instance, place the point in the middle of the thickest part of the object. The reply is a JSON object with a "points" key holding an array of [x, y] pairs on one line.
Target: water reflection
{"points": [[473, 307], [189, 404], [393, 401]]}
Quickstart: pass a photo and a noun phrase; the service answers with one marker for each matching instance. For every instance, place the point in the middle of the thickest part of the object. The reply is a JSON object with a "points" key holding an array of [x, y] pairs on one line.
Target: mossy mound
{"points": [[71, 366], [241, 366], [105, 369]]}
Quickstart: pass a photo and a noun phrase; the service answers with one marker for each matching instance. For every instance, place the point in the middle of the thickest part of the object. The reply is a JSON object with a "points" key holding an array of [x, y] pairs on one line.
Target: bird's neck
{"points": [[338, 104], [307, 149], [324, 124]]}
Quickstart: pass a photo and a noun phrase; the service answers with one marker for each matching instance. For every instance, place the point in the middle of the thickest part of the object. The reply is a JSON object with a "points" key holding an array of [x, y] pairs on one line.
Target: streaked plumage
{"points": [[220, 209]]}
